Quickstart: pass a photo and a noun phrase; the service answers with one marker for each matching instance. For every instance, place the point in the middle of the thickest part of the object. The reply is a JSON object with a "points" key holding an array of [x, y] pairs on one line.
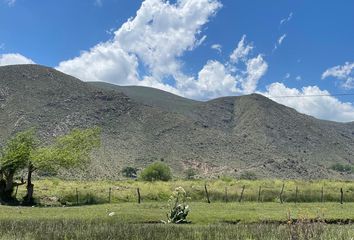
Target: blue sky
{"points": [[294, 47]]}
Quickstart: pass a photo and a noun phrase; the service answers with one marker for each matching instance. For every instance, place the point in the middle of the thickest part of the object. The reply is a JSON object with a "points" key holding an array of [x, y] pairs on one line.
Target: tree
{"points": [[156, 171], [13, 158], [24, 151], [129, 172], [68, 151]]}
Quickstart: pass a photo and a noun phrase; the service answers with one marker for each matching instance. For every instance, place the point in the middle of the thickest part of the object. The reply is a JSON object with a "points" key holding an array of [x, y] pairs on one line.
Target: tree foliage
{"points": [[156, 171], [130, 172], [24, 151]]}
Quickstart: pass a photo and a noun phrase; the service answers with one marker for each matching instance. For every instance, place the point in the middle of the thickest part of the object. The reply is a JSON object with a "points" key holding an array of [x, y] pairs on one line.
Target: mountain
{"points": [[229, 135]]}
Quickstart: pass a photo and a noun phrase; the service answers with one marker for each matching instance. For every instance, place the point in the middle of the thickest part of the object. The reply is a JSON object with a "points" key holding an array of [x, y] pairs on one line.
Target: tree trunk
{"points": [[28, 199]]}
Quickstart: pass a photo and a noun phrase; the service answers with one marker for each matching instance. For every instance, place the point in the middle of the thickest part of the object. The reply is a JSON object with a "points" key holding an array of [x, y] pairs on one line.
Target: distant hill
{"points": [[224, 136]]}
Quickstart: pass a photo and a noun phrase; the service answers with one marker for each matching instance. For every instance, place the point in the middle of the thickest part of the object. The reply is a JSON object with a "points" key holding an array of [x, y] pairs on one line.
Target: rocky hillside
{"points": [[140, 125]]}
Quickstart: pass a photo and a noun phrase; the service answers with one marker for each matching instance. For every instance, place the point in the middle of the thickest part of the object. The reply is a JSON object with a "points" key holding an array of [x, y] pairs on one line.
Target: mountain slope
{"points": [[228, 135]]}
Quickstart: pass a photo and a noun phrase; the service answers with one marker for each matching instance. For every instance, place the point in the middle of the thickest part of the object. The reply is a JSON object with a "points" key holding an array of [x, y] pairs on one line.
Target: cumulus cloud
{"points": [[256, 68], [241, 51], [239, 75], [311, 100], [344, 73], [14, 58], [155, 39]]}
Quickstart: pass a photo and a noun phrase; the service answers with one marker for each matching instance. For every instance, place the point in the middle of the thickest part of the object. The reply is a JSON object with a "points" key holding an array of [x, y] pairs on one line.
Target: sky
{"points": [[290, 51]]}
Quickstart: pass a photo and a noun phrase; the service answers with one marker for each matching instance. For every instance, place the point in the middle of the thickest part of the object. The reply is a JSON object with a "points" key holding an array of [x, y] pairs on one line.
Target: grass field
{"points": [[249, 219], [219, 190]]}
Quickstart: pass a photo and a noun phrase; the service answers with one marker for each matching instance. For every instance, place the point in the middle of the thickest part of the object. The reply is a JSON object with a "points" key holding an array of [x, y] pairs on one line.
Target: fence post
{"points": [[139, 197], [296, 192], [77, 197], [281, 194], [109, 195], [341, 196], [259, 193], [322, 195], [206, 192], [226, 197], [241, 196]]}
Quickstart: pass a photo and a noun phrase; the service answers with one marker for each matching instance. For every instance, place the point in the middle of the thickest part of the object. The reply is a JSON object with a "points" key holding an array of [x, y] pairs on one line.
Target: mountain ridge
{"points": [[229, 135]]}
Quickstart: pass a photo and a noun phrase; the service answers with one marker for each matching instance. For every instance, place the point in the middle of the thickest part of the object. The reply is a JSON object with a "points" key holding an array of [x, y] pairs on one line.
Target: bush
{"points": [[129, 172], [345, 168], [190, 173], [248, 176], [156, 171]]}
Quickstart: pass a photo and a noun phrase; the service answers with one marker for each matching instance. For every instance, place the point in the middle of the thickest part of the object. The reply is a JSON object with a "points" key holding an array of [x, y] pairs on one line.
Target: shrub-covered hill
{"points": [[230, 135]]}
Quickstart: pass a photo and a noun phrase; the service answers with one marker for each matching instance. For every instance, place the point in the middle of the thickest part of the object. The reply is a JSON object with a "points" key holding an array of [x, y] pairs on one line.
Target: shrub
{"points": [[248, 176], [346, 168], [190, 173], [129, 172], [156, 171]]}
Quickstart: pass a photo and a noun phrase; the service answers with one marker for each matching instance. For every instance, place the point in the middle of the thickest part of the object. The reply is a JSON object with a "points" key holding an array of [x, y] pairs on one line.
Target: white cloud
{"points": [[287, 19], [154, 39], [241, 51], [217, 47], [298, 78], [319, 106], [14, 58], [281, 39], [256, 69], [279, 42], [345, 73]]}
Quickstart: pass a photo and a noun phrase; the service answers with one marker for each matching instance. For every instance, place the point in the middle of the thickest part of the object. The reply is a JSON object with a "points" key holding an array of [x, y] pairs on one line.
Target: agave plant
{"points": [[179, 208]]}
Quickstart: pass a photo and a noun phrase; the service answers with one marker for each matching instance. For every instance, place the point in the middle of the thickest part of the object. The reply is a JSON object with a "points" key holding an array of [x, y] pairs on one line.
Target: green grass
{"points": [[221, 220], [68, 229], [201, 213], [134, 221], [125, 191]]}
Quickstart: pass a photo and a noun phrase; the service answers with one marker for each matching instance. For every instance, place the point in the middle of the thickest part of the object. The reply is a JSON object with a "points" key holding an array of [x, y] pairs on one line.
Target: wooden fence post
{"points": [[226, 195], [259, 193], [281, 194], [77, 197], [139, 197], [341, 196], [109, 195], [206, 193], [296, 193], [322, 195], [241, 196]]}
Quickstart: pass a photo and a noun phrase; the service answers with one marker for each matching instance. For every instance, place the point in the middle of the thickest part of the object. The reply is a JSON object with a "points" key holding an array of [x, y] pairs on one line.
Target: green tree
{"points": [[156, 171], [24, 151], [13, 158], [68, 151], [129, 172]]}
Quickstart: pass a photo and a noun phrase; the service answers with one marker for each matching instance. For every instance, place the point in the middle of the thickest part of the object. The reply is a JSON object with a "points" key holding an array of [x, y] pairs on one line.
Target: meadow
{"points": [[316, 213], [220, 190]]}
